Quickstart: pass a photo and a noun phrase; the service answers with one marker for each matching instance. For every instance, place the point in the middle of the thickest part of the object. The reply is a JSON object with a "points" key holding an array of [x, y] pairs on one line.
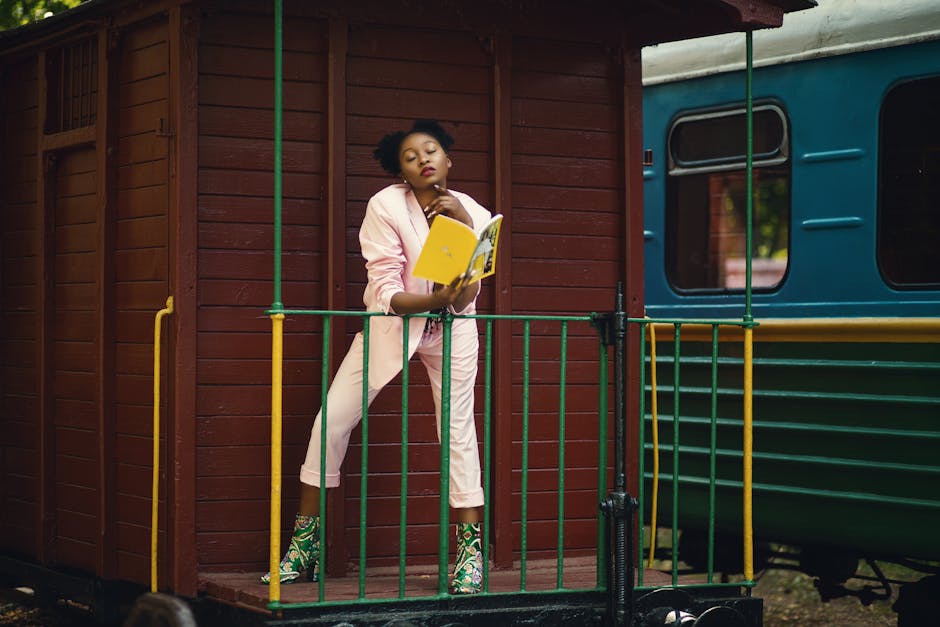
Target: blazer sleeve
{"points": [[381, 244]]}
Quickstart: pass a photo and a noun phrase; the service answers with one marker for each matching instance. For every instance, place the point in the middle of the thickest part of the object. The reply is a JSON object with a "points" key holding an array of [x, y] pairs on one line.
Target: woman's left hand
{"points": [[448, 205]]}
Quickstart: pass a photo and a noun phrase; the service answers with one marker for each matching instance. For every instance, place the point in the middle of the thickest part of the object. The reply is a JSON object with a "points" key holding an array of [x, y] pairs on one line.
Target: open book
{"points": [[453, 248]]}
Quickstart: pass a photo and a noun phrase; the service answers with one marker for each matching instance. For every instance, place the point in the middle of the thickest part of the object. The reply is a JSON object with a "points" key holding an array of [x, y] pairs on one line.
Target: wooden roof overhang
{"points": [[659, 21], [643, 22]]}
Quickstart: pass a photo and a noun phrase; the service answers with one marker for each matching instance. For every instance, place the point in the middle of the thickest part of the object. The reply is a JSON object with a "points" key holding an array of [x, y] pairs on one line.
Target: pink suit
{"points": [[393, 231]]}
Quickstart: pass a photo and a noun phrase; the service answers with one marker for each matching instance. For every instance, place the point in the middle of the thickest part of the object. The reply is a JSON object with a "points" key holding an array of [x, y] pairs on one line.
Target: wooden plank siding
{"points": [[564, 218], [235, 266], [567, 256], [141, 285], [74, 349], [395, 76], [20, 283], [78, 346]]}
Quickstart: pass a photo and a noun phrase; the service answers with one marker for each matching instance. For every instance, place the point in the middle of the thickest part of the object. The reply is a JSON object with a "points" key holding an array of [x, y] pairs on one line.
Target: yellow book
{"points": [[453, 248]]}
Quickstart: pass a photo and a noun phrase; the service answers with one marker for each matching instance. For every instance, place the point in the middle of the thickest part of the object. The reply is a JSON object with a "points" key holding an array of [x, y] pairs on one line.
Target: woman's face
{"points": [[423, 162]]}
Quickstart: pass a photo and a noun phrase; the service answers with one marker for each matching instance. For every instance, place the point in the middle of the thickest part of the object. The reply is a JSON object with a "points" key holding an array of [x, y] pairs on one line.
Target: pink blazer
{"points": [[393, 231]]}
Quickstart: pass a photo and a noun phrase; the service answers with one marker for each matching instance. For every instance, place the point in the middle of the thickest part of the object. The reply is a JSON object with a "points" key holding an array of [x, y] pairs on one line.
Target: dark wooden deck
{"points": [[245, 590]]}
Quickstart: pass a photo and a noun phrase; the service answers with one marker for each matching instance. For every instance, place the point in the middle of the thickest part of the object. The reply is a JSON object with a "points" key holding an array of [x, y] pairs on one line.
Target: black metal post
{"points": [[619, 505]]}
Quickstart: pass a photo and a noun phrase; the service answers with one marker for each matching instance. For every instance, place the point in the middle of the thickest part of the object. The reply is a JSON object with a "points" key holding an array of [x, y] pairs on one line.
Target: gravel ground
{"points": [[17, 608], [791, 599]]}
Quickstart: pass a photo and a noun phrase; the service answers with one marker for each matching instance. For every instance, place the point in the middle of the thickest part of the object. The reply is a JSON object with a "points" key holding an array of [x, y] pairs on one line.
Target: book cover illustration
{"points": [[453, 248]]}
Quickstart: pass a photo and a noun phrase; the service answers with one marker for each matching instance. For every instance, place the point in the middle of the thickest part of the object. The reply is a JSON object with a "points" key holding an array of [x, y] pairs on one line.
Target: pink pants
{"points": [[344, 411]]}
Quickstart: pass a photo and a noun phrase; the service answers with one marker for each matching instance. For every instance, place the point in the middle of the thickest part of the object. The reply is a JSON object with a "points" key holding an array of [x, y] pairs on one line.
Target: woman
{"points": [[393, 231]]}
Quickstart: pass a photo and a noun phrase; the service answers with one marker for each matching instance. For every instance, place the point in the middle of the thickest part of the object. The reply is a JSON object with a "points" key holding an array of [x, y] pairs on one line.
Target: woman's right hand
{"points": [[458, 295], [450, 294]]}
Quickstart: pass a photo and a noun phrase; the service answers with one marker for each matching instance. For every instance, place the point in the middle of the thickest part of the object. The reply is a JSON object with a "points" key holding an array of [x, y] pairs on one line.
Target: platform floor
{"points": [[245, 589]]}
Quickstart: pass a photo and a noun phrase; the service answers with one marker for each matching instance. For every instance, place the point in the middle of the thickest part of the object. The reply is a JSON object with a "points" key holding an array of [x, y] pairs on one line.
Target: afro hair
{"points": [[386, 152]]}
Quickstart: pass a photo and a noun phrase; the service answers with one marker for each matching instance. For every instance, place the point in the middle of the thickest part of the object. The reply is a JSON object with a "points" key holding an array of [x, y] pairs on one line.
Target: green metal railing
{"points": [[277, 314], [444, 548], [602, 554], [676, 448]]}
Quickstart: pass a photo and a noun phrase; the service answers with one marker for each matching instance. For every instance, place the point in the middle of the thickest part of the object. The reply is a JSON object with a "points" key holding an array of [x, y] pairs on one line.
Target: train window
{"points": [[706, 193], [718, 139], [72, 79], [909, 185]]}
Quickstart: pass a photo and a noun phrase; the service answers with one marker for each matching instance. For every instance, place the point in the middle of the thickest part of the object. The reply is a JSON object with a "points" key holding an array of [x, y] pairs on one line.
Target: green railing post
{"points": [[403, 506], [324, 388], [364, 459], [675, 457], [562, 379], [712, 453], [278, 134], [448, 320], [749, 172], [487, 451], [602, 530], [526, 330], [641, 492]]}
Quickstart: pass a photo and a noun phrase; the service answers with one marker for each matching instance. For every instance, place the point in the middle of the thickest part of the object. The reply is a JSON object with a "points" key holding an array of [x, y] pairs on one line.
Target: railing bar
{"points": [[561, 455], [675, 460], [520, 317], [712, 456], [403, 507], [487, 446], [364, 466], [818, 363], [444, 513], [377, 601], [641, 492], [371, 314], [324, 388], [602, 423], [526, 329], [820, 396]]}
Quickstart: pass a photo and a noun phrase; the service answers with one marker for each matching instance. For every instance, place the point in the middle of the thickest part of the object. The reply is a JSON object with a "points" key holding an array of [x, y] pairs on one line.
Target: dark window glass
{"points": [[697, 141], [909, 185], [72, 79], [706, 215]]}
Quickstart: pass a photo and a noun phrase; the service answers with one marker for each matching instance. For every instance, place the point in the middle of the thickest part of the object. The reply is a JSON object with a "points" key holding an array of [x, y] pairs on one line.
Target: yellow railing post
{"points": [[277, 382], [748, 451], [155, 489]]}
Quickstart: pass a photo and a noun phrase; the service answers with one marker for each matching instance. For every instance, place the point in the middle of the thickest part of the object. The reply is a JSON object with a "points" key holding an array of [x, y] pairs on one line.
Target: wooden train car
{"points": [[847, 270], [137, 164]]}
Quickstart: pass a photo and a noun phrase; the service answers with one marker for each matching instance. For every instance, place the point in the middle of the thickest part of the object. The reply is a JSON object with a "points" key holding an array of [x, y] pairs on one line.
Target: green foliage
{"points": [[15, 13]]}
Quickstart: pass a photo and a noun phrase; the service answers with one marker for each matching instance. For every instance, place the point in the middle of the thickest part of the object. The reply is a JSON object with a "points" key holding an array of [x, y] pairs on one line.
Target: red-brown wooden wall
{"points": [[141, 285], [169, 191], [77, 348], [20, 248], [565, 118]]}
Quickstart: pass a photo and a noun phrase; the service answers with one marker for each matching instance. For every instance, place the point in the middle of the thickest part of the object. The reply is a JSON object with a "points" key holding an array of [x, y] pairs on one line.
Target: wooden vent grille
{"points": [[72, 86]]}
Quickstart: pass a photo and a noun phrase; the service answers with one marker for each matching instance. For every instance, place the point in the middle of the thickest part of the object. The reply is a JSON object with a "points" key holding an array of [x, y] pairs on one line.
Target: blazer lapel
{"points": [[416, 216]]}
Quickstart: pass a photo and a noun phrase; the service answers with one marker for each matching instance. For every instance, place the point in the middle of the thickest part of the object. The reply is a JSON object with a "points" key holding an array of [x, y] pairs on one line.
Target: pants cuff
{"points": [[311, 477], [462, 500]]}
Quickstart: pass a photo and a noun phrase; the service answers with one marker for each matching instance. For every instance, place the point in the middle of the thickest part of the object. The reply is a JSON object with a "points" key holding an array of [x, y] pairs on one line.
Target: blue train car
{"points": [[846, 273]]}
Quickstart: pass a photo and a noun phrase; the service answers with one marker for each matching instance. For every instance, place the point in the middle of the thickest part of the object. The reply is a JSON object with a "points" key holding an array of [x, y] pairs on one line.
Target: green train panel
{"points": [[846, 441]]}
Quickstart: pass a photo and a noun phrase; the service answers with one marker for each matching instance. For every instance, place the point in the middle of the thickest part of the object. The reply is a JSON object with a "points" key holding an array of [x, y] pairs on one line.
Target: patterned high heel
{"points": [[303, 553], [468, 568]]}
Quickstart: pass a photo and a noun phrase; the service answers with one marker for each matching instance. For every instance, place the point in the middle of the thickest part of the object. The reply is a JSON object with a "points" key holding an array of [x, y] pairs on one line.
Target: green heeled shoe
{"points": [[303, 553], [468, 568]]}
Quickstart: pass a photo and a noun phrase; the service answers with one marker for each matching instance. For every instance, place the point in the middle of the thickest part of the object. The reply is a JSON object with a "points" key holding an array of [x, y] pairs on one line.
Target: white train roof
{"points": [[834, 27]]}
